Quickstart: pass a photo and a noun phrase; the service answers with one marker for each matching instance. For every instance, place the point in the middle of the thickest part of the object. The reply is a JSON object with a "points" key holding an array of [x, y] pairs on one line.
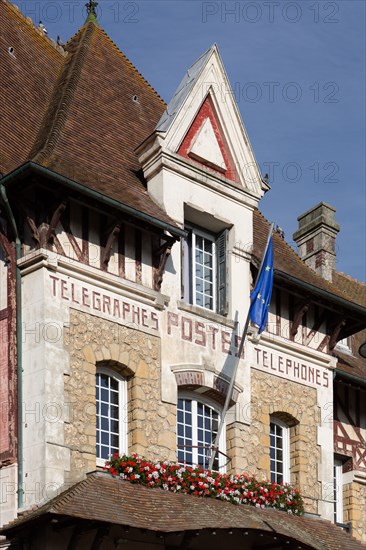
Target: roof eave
{"points": [[31, 166], [351, 306]]}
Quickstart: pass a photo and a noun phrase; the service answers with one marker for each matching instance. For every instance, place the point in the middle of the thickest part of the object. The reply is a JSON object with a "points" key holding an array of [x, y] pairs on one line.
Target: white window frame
{"points": [[338, 490], [285, 432], [122, 412], [197, 398], [344, 345], [190, 265]]}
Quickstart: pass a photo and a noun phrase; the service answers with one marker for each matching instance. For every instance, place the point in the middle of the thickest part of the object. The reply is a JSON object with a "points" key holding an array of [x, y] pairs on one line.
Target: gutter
{"points": [[19, 342], [351, 377], [280, 275], [96, 195]]}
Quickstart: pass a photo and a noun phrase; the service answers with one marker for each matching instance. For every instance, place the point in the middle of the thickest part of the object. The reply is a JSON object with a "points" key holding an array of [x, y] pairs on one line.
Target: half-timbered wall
{"points": [[97, 240], [350, 425], [298, 320]]}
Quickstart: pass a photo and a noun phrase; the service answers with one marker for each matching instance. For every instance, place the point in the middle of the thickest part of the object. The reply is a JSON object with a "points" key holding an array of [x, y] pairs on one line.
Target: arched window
{"points": [[111, 410], [197, 425], [279, 451]]}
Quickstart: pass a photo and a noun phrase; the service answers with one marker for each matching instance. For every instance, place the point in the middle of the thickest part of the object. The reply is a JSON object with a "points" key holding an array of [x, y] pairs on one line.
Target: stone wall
{"points": [[296, 405], [91, 342], [354, 505]]}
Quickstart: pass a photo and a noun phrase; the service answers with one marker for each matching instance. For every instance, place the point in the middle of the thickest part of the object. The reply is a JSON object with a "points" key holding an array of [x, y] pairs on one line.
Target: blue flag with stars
{"points": [[261, 294]]}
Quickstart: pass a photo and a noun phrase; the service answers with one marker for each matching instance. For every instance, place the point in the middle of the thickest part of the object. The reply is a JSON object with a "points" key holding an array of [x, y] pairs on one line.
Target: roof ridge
{"points": [[56, 115], [331, 285], [131, 65], [28, 21]]}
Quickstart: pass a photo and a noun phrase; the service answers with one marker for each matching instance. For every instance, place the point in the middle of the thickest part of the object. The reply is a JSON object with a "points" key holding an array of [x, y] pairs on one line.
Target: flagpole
{"points": [[229, 394]]}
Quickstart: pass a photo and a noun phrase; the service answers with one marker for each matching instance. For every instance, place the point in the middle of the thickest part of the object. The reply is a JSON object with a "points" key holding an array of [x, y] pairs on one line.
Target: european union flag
{"points": [[261, 294]]}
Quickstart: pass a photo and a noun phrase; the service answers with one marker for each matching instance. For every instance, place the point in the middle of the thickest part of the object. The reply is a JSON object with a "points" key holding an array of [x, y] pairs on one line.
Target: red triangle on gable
{"points": [[207, 111]]}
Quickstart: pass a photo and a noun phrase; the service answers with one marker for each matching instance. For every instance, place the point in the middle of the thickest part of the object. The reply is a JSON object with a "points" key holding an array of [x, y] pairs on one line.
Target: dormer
{"points": [[201, 138], [200, 168]]}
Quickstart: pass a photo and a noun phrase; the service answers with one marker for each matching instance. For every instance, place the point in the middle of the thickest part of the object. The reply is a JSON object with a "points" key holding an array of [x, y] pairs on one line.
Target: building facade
{"points": [[130, 241]]}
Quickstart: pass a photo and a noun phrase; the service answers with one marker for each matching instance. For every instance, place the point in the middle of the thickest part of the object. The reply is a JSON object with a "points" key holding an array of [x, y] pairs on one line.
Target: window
{"points": [[111, 401], [279, 452], [344, 345], [338, 491], [204, 270], [197, 426]]}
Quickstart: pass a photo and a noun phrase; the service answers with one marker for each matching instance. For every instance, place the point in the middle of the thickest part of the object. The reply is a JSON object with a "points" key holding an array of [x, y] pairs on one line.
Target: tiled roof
{"points": [[288, 262], [86, 111], [355, 289], [352, 362], [27, 78], [105, 499], [81, 114], [101, 111]]}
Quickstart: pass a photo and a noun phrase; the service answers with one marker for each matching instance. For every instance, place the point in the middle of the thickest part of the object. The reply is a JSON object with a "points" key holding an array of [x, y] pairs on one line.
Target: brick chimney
{"points": [[315, 239]]}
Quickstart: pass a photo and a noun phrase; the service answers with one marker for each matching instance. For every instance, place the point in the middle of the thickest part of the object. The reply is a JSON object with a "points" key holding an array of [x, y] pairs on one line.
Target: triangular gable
{"points": [[205, 93], [205, 142]]}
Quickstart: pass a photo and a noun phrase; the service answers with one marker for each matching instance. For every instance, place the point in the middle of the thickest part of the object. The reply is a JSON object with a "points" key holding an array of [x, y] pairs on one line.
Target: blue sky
{"points": [[297, 70]]}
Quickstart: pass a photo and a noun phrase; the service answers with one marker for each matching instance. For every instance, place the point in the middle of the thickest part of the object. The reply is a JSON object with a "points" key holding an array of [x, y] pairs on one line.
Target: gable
{"points": [[205, 142], [202, 123]]}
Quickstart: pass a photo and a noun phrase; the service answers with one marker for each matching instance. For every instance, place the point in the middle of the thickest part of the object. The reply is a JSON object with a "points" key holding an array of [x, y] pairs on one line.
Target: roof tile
{"points": [[104, 498]]}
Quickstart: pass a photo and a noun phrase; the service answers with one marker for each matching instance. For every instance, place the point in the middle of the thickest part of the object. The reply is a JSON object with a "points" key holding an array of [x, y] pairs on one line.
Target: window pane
{"points": [[209, 303], [198, 432], [105, 454], [277, 458], [104, 395], [104, 424], [115, 426], [114, 397], [208, 246], [208, 260], [103, 380], [203, 282], [107, 421]]}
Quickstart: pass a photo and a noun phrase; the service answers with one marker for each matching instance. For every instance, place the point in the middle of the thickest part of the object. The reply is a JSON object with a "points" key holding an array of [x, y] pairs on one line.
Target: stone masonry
{"points": [[93, 342], [297, 406], [354, 501]]}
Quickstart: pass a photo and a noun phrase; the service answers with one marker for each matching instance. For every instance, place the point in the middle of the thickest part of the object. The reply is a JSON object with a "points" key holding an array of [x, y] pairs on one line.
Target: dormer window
{"points": [[204, 269]]}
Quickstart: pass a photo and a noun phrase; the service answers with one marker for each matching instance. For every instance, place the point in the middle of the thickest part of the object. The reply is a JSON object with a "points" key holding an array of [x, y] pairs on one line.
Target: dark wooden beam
{"points": [[50, 235], [299, 313], [160, 257], [335, 333], [34, 230], [101, 533], [107, 251]]}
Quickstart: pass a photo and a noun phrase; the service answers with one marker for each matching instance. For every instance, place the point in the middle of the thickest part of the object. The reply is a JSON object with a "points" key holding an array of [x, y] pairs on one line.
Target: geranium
{"points": [[238, 488]]}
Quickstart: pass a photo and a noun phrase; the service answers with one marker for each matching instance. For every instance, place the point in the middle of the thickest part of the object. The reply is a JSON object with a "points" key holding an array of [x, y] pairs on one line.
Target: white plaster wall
{"points": [[228, 207], [44, 363]]}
